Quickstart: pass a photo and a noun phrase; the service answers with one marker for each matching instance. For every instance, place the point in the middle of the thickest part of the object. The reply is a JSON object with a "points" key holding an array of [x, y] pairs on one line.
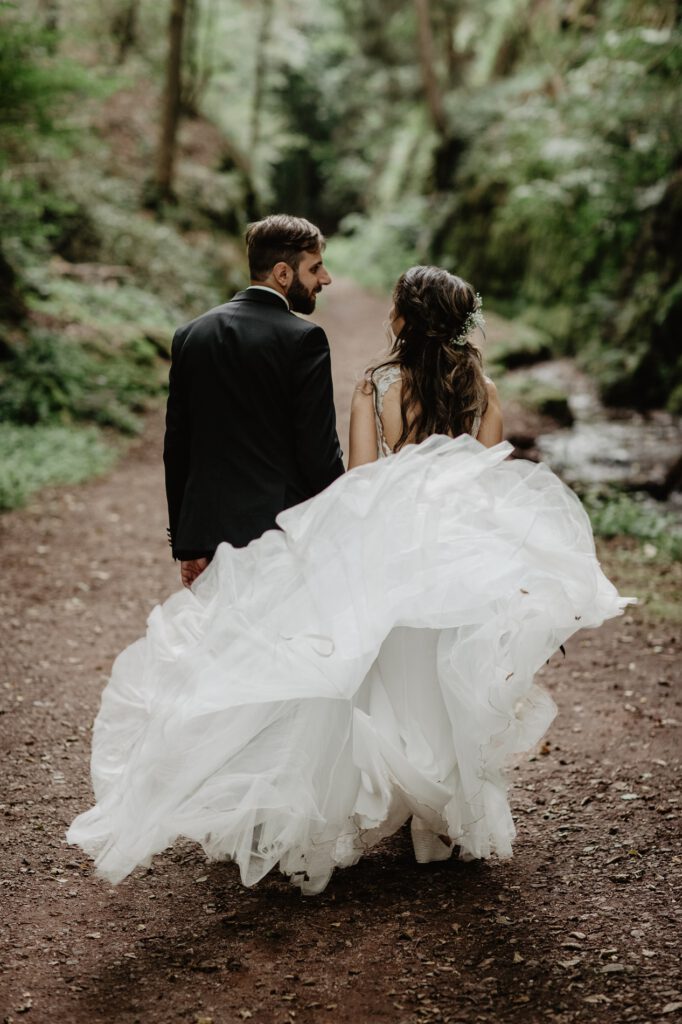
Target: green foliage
{"points": [[34, 85], [555, 186], [542, 398], [617, 514], [356, 134], [555, 189], [525, 347], [113, 312], [655, 580], [170, 266], [53, 379], [376, 252], [86, 217], [92, 284], [675, 400], [567, 185], [34, 457], [37, 92]]}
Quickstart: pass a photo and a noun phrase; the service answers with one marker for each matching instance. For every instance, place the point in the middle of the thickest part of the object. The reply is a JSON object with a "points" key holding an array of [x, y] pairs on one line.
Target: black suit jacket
{"points": [[250, 424]]}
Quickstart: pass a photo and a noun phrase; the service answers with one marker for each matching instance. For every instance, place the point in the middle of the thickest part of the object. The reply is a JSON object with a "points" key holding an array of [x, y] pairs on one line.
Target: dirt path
{"points": [[580, 926]]}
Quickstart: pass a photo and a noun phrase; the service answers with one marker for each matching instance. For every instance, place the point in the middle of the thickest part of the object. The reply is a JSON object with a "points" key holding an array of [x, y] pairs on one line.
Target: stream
{"points": [[610, 447]]}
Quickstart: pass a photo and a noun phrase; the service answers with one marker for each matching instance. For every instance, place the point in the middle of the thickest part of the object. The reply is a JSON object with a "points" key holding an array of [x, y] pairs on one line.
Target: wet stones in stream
{"points": [[601, 447]]}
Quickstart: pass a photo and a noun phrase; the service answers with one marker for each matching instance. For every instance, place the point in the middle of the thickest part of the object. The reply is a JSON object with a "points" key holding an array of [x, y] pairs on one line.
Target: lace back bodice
{"points": [[383, 377]]}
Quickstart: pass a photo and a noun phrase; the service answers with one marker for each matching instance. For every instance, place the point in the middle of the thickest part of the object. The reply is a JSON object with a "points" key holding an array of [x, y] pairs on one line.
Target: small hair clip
{"points": [[473, 319]]}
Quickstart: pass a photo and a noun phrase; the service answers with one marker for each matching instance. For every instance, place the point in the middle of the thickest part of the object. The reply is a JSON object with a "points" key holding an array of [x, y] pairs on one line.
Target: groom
{"points": [[250, 423]]}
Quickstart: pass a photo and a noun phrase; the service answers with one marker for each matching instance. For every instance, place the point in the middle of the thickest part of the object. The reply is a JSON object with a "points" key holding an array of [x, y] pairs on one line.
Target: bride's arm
{"points": [[491, 430], [363, 431]]}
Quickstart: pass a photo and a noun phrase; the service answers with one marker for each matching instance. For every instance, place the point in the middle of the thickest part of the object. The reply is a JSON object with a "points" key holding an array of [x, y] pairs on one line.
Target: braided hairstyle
{"points": [[444, 388]]}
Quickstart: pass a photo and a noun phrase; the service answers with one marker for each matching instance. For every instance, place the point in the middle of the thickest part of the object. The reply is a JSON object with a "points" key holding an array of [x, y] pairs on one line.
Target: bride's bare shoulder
{"points": [[493, 393], [364, 385], [364, 397], [363, 430], [491, 430]]}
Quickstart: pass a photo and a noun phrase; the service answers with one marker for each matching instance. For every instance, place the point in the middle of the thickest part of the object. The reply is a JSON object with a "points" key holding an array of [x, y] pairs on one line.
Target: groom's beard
{"points": [[300, 299]]}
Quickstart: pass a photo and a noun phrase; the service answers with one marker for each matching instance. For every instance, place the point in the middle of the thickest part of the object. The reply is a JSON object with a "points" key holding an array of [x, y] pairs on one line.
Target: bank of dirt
{"points": [[582, 925]]}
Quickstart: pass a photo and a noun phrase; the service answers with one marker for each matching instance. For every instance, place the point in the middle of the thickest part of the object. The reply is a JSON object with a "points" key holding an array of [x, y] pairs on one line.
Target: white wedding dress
{"points": [[371, 662]]}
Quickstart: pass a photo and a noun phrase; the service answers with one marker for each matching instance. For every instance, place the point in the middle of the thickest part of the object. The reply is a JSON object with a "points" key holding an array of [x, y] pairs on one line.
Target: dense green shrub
{"points": [[376, 251], [113, 311], [555, 187], [36, 88], [616, 514], [579, 205], [33, 457], [91, 284], [53, 379]]}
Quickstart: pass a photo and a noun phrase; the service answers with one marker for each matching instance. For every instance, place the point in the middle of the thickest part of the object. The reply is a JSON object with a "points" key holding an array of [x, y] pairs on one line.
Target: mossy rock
{"points": [[551, 402], [540, 398], [524, 348], [675, 401], [556, 323]]}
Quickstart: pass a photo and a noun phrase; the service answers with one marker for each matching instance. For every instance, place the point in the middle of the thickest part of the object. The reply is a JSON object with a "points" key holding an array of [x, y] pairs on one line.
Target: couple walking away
{"points": [[351, 650]]}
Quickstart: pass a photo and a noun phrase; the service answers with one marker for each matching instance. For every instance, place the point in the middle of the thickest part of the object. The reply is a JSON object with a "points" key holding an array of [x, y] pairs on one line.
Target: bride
{"points": [[370, 663]]}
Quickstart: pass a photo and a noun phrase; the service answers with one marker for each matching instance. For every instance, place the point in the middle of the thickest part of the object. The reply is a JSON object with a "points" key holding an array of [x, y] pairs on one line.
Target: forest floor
{"points": [[581, 925]]}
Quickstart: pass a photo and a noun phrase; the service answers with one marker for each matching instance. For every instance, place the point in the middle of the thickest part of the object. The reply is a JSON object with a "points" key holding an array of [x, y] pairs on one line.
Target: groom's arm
{"points": [[176, 441], [317, 443]]}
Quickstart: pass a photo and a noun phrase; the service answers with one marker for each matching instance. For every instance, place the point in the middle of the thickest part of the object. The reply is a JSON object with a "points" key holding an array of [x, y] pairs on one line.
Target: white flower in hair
{"points": [[473, 319]]}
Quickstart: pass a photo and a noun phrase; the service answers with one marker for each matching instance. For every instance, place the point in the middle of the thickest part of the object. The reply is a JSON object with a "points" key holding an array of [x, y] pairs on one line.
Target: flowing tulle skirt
{"points": [[371, 661]]}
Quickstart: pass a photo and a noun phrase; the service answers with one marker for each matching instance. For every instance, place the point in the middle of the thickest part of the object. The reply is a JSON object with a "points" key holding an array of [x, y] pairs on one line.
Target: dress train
{"points": [[371, 662]]}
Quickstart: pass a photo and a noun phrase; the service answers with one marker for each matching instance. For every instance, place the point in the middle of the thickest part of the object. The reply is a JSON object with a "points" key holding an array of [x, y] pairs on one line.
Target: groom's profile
{"points": [[250, 422]]}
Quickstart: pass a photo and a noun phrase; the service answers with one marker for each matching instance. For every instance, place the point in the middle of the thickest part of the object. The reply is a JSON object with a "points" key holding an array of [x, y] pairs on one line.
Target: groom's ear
{"points": [[283, 274]]}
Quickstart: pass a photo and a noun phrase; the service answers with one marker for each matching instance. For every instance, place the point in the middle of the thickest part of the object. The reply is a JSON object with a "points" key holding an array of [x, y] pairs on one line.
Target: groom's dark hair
{"points": [[280, 239]]}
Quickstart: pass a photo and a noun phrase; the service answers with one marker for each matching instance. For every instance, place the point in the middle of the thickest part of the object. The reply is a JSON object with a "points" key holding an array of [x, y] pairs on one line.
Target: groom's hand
{"points": [[190, 569]]}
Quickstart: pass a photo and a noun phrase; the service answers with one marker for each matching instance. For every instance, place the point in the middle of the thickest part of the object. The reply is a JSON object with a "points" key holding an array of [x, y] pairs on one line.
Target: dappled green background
{"points": [[532, 146]]}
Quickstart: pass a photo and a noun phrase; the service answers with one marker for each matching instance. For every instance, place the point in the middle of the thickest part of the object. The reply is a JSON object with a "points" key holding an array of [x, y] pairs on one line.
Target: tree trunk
{"points": [[260, 72], [199, 54], [432, 92], [171, 102], [124, 29], [190, 80], [51, 23], [450, 51], [207, 46], [12, 306]]}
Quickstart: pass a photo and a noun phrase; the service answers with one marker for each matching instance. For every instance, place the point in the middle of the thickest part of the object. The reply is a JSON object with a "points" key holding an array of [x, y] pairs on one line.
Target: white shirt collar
{"points": [[265, 288]]}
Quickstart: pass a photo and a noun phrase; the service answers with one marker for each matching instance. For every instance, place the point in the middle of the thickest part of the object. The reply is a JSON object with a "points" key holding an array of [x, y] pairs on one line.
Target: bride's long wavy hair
{"points": [[444, 388]]}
